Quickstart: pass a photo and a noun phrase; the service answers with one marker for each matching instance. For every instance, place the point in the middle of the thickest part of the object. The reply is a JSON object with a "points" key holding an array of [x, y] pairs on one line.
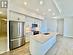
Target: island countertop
{"points": [[42, 37], [41, 43]]}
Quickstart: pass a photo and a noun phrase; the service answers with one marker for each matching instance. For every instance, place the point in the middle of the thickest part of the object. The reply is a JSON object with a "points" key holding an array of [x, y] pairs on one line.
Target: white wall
{"points": [[68, 27], [52, 25], [44, 27], [49, 25]]}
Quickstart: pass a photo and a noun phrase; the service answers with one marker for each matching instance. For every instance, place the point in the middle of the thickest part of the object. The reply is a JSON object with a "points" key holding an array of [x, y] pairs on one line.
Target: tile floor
{"points": [[64, 46]]}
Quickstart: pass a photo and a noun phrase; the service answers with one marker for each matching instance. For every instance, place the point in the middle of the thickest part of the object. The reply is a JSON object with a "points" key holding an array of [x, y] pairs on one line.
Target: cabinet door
{"points": [[29, 21], [12, 16], [21, 17], [16, 17], [38, 22], [46, 46]]}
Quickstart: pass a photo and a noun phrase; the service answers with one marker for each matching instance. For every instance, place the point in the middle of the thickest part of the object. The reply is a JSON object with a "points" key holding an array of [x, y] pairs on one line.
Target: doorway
{"points": [[60, 26], [3, 35], [3, 29]]}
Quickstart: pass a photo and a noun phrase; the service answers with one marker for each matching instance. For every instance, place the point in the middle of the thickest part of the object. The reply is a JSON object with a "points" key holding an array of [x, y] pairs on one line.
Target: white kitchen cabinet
{"points": [[16, 16], [37, 21], [40, 45]]}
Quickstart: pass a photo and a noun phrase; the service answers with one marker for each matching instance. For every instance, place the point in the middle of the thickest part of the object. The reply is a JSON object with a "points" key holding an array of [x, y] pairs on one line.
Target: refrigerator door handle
{"points": [[15, 39]]}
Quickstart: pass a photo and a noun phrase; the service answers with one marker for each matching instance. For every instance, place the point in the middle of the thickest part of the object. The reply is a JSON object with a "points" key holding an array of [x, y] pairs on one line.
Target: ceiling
{"points": [[47, 8], [55, 7], [65, 7]]}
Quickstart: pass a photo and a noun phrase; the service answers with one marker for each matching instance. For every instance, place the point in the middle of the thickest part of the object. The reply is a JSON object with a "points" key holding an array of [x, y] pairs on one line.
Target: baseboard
{"points": [[60, 34]]}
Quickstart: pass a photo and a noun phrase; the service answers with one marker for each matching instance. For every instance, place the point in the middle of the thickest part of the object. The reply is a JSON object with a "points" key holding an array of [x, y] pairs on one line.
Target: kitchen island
{"points": [[41, 43]]}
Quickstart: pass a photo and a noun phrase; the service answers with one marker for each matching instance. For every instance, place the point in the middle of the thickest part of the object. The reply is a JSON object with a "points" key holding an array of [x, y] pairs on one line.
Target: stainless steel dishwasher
{"points": [[16, 34]]}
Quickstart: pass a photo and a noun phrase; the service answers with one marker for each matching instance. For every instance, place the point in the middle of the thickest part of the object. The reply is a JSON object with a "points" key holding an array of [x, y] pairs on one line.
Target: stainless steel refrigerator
{"points": [[16, 34]]}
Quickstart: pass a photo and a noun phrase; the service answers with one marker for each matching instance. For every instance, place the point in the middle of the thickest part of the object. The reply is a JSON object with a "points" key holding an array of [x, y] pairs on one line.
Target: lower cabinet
{"points": [[38, 48], [47, 45]]}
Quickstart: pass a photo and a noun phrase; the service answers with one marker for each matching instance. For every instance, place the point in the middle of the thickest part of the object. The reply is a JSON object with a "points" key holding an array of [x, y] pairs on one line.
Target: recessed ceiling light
{"points": [[1, 12], [53, 13], [49, 10], [25, 3], [37, 9], [41, 2]]}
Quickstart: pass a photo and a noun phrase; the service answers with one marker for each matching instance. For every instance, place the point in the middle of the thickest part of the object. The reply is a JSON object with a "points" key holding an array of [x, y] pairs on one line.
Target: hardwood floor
{"points": [[24, 50], [64, 46]]}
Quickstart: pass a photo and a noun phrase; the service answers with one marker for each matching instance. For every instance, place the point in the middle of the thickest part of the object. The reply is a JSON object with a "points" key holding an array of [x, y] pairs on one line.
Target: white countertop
{"points": [[42, 38]]}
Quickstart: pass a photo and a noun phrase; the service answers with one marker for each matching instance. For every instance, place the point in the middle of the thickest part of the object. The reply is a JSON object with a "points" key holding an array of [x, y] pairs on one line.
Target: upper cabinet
{"points": [[16, 16], [30, 21]]}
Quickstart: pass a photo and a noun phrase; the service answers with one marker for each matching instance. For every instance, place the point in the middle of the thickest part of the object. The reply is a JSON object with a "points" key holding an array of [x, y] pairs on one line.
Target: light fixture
{"points": [[41, 2], [25, 3], [1, 12], [53, 13], [49, 10]]}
